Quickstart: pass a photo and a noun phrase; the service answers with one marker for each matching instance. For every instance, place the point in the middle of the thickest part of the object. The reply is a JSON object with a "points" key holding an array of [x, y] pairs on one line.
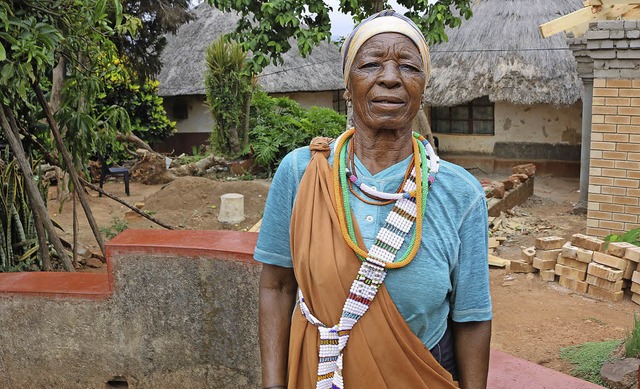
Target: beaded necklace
{"points": [[374, 267], [422, 152]]}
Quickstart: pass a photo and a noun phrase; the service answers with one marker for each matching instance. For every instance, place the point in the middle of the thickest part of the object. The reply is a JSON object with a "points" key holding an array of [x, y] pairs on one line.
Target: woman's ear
{"points": [[347, 95]]}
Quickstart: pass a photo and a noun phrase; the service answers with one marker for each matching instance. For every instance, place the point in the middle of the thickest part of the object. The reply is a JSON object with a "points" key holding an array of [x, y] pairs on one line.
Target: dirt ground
{"points": [[532, 319]]}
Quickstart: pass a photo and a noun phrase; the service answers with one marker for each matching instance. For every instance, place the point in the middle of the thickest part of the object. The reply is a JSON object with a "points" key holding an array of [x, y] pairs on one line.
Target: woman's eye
{"points": [[370, 65], [410, 68]]}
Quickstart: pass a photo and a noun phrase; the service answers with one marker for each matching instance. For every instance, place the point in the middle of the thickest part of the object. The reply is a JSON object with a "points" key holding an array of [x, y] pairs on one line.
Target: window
{"points": [[475, 117], [339, 103], [180, 110]]}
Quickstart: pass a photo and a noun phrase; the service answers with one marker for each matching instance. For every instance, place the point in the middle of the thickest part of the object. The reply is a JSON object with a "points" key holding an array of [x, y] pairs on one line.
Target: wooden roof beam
{"points": [[585, 15], [596, 3]]}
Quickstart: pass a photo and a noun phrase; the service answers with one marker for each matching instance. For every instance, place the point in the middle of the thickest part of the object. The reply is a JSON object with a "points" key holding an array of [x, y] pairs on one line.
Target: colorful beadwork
{"points": [[377, 261]]}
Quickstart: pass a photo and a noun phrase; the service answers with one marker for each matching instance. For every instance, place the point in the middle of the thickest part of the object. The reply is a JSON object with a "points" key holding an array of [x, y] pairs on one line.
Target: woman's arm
{"points": [[277, 299], [472, 340]]}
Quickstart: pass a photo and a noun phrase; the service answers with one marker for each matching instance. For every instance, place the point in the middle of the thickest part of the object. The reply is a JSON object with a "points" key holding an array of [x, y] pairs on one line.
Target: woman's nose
{"points": [[390, 75]]}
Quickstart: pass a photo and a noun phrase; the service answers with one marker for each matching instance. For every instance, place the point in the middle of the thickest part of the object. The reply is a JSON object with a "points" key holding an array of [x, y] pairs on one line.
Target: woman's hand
{"points": [[472, 340], [277, 298]]}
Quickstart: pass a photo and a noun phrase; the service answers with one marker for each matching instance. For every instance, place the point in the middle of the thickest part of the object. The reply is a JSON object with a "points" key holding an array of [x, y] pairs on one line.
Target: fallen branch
{"points": [[132, 207]]}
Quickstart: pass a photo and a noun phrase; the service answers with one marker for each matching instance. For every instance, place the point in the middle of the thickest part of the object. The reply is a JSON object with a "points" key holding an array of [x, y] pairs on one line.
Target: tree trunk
{"points": [[70, 166], [75, 228], [131, 138], [57, 83], [378, 5], [247, 118], [11, 134], [43, 245], [234, 140]]}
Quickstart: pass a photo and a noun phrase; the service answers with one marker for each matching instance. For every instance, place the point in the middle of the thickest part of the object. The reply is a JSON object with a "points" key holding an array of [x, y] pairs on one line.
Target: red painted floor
{"points": [[509, 372]]}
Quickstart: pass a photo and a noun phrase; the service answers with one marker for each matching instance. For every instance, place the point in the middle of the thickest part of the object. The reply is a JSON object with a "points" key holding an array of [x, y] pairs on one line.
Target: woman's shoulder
{"points": [[459, 179]]}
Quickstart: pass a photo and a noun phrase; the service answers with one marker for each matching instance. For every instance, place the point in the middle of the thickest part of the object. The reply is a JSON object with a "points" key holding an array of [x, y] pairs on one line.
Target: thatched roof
{"points": [[500, 53], [184, 64]]}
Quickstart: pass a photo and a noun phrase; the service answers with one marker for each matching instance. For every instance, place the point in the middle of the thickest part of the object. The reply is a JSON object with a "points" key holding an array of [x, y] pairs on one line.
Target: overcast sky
{"points": [[342, 24]]}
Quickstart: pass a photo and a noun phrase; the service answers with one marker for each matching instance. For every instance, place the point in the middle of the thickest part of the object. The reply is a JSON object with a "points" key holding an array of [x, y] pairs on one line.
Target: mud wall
{"points": [[178, 309], [537, 126]]}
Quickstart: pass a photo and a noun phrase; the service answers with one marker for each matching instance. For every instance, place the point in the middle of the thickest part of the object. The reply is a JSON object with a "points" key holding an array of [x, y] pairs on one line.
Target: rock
{"points": [[497, 189], [93, 262], [519, 177], [620, 373], [508, 184], [529, 169]]}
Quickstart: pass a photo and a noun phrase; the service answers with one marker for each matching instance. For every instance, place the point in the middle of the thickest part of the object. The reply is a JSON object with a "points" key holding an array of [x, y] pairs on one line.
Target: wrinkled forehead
{"points": [[389, 43]]}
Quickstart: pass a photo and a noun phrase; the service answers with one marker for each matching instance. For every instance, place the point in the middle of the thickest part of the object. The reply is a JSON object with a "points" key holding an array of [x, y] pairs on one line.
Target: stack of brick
{"points": [[572, 266], [632, 253], [525, 264], [547, 250], [574, 262]]}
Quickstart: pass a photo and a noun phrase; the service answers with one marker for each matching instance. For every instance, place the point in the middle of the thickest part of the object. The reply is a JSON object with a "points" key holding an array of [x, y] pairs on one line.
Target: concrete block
{"points": [[231, 208], [611, 73], [587, 242], [618, 249], [544, 264], [583, 255], [635, 297], [628, 54], [635, 287], [572, 263], [597, 45], [528, 254], [631, 268], [548, 254], [621, 44], [549, 243], [603, 294], [610, 260], [612, 286], [569, 251], [630, 24], [634, 44], [616, 34], [611, 24], [605, 272], [578, 286], [636, 277], [569, 272], [520, 267], [633, 34], [596, 35], [548, 275], [629, 73], [632, 254]]}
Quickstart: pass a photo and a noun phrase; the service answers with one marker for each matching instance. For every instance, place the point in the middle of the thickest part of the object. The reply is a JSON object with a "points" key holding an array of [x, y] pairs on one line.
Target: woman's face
{"points": [[386, 83]]}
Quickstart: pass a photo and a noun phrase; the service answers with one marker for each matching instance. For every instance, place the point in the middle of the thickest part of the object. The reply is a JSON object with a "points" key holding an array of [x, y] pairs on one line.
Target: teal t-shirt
{"points": [[449, 276]]}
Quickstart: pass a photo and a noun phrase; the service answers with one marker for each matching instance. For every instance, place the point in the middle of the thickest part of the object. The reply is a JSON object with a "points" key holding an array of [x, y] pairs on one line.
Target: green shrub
{"points": [[588, 358], [631, 236], [117, 226], [280, 125]]}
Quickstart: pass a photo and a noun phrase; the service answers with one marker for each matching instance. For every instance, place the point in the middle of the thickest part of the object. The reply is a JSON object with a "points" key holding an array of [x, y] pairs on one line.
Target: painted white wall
{"points": [[539, 123]]}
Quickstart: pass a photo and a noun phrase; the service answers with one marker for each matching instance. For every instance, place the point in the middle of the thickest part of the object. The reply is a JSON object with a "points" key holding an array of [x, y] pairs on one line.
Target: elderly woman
{"points": [[384, 246]]}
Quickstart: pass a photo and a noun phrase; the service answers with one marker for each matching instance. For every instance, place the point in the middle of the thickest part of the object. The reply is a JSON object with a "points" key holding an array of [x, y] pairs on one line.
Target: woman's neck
{"points": [[382, 149]]}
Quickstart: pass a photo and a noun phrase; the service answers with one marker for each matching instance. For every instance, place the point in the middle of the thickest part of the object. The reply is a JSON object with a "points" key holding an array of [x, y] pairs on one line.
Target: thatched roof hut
{"points": [[184, 60], [500, 53]]}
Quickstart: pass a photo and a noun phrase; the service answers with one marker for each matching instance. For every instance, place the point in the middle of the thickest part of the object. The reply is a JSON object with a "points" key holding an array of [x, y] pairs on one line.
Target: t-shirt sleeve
{"points": [[273, 245], [470, 299]]}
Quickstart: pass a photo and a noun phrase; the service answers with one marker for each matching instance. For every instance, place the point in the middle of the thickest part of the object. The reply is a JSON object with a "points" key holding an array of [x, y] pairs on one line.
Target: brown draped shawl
{"points": [[382, 352]]}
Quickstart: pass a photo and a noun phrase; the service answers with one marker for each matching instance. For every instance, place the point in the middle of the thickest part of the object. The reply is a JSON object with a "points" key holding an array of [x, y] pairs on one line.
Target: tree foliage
{"points": [[158, 18], [266, 26], [228, 86], [280, 125]]}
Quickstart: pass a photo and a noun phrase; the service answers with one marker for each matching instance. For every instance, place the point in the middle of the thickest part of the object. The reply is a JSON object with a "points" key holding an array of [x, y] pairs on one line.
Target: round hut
{"points": [[501, 94]]}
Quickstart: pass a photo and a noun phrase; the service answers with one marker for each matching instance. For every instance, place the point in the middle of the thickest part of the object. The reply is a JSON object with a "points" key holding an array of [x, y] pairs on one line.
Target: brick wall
{"points": [[614, 184]]}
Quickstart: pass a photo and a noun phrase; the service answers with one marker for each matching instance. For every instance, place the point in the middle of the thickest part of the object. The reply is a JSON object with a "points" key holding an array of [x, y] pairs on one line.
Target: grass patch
{"points": [[632, 340], [588, 358]]}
